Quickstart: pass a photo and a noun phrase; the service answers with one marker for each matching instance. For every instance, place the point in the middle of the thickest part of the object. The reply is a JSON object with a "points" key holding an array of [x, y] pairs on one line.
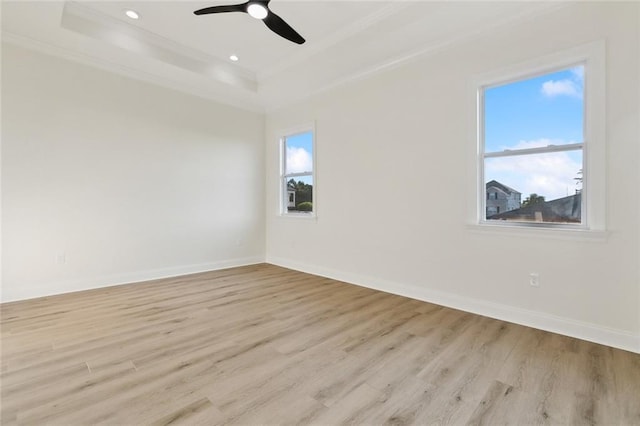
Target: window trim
{"points": [[283, 198], [592, 56], [531, 151]]}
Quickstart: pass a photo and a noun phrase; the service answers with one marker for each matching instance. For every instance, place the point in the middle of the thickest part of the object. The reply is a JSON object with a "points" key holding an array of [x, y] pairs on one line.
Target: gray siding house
{"points": [[501, 198]]}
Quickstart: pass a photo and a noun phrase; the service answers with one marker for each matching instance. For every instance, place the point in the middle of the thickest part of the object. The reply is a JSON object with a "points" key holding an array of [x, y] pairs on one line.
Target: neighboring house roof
{"points": [[502, 187], [566, 209]]}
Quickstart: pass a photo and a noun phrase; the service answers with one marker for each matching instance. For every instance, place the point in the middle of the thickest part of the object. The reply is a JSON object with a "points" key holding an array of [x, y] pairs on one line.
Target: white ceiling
{"points": [[171, 46]]}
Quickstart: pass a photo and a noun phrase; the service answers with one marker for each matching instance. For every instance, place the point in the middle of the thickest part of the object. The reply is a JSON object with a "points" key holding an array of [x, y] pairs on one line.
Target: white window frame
{"points": [[284, 212], [593, 216]]}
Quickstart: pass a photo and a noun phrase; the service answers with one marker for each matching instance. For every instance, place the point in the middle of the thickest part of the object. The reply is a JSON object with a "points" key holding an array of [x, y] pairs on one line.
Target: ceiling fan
{"points": [[258, 9]]}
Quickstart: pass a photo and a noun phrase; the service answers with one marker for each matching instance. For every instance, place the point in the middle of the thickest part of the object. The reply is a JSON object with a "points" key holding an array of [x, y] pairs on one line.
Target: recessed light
{"points": [[132, 14], [234, 58], [257, 11]]}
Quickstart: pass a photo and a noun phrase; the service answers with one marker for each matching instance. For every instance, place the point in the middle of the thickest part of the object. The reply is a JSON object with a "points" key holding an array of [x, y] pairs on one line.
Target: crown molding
{"points": [[313, 48], [416, 54], [246, 102], [252, 98]]}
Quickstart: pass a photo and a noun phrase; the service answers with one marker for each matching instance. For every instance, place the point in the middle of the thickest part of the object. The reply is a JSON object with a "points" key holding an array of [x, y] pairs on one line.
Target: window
{"points": [[539, 155], [297, 176], [533, 139]]}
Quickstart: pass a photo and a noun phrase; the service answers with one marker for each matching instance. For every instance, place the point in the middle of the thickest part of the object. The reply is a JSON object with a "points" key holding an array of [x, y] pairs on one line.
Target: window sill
{"points": [[298, 216], [514, 230]]}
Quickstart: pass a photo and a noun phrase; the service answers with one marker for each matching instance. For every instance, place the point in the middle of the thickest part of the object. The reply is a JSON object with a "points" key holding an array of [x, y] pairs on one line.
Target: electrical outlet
{"points": [[61, 258], [534, 279]]}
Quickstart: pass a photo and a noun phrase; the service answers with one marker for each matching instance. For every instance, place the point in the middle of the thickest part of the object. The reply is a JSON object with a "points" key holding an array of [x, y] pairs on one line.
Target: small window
{"points": [[297, 178], [532, 137]]}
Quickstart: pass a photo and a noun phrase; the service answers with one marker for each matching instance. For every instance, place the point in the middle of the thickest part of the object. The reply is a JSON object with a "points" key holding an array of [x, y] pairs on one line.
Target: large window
{"points": [[297, 176], [533, 140], [540, 152]]}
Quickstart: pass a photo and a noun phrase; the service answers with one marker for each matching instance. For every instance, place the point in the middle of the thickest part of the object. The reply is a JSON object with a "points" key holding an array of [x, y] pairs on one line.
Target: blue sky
{"points": [[301, 140], [532, 113], [300, 155]]}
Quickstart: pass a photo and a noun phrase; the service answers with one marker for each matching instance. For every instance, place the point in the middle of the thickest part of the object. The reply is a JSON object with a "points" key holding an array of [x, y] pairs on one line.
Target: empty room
{"points": [[352, 212]]}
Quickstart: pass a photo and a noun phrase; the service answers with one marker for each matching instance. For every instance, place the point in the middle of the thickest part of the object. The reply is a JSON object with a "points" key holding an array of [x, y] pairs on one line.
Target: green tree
{"points": [[533, 199], [304, 192], [305, 207]]}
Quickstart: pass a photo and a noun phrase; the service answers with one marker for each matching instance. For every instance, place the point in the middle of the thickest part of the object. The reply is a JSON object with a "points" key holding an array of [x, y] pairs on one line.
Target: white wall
{"points": [[120, 180], [392, 179]]}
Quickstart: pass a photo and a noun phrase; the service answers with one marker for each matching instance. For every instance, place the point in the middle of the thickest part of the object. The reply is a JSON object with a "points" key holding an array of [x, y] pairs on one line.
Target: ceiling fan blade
{"points": [[221, 9], [278, 26]]}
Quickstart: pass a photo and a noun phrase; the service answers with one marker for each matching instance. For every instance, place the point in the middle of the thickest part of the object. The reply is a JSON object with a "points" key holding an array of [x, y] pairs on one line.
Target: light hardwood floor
{"points": [[267, 345]]}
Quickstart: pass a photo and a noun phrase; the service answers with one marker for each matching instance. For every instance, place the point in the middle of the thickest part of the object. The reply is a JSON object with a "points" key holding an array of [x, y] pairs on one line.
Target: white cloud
{"points": [[536, 143], [298, 160], [564, 87], [550, 174], [572, 86], [578, 73]]}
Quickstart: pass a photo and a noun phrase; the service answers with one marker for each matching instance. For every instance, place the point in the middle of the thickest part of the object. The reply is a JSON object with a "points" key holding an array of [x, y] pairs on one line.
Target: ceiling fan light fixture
{"points": [[257, 11]]}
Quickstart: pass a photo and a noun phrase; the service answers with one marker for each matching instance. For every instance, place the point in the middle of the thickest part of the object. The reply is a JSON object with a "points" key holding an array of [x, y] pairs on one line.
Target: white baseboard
{"points": [[566, 326], [69, 286]]}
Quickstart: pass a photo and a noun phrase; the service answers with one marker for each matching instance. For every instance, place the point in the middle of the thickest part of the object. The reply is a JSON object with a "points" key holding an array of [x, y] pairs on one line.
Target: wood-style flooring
{"points": [[266, 345]]}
